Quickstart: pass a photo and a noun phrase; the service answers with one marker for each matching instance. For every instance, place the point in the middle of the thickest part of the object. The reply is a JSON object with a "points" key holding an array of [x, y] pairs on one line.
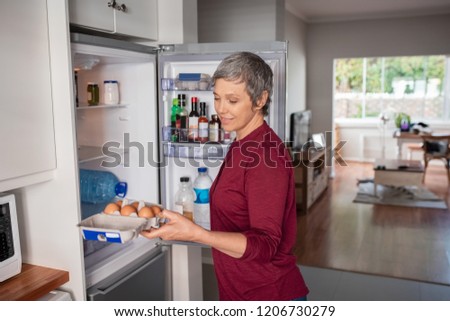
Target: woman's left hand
{"points": [[176, 228]]}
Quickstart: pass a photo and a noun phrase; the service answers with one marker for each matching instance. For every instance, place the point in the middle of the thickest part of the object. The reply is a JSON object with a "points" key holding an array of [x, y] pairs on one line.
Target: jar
{"points": [[111, 92], [93, 94], [214, 129]]}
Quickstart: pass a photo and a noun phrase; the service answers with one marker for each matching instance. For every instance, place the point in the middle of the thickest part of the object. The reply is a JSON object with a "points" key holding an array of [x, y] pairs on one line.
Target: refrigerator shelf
{"points": [[86, 107], [184, 135], [171, 84], [90, 153], [195, 150]]}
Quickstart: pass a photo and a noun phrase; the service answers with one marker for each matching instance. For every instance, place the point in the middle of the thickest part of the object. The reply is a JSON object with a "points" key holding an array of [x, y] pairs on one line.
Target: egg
{"points": [[111, 208], [127, 210], [119, 203], [135, 205], [146, 212], [156, 209]]}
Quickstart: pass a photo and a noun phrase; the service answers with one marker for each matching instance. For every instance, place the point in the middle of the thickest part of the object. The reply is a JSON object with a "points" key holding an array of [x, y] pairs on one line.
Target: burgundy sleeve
{"points": [[266, 188]]}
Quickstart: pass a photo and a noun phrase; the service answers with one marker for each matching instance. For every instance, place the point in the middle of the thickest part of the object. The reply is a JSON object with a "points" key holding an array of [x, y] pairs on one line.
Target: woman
{"points": [[253, 213]]}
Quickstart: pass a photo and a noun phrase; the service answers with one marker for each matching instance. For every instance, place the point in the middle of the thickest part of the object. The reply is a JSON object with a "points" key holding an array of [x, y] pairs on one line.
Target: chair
{"points": [[436, 146], [414, 148]]}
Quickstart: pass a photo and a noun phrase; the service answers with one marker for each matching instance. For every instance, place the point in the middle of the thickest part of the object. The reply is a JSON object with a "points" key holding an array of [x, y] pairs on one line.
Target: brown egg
{"points": [[119, 203], [127, 210], [111, 208], [156, 209], [146, 212], [135, 205]]}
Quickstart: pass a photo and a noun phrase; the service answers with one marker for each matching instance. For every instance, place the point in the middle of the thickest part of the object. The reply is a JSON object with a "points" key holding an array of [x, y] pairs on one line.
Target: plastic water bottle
{"points": [[184, 198], [202, 185], [100, 186]]}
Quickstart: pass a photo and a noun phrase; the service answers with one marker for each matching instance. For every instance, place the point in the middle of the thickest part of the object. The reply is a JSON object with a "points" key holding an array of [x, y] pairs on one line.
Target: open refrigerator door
{"points": [[132, 139], [119, 138], [187, 70]]}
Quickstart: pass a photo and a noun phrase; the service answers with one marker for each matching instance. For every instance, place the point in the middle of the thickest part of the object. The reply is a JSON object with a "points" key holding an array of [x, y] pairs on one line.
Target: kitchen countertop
{"points": [[32, 283]]}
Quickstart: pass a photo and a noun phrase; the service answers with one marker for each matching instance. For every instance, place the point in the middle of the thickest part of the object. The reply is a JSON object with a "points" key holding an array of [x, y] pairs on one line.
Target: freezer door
{"points": [[149, 279]]}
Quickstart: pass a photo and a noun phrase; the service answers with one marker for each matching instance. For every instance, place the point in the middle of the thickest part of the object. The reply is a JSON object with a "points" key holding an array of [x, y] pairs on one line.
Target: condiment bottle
{"points": [[93, 94], [203, 124], [193, 120], [214, 129], [173, 120], [184, 118]]}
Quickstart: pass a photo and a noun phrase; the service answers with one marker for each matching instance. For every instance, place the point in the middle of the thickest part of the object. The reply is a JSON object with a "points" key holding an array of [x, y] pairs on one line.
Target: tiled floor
{"points": [[334, 285]]}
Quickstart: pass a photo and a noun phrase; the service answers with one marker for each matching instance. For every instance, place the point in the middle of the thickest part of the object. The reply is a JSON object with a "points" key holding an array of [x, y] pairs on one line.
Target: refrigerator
{"points": [[132, 140]]}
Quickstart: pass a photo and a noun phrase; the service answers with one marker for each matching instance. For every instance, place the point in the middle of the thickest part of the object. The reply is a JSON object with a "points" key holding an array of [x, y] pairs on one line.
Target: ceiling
{"points": [[344, 10]]}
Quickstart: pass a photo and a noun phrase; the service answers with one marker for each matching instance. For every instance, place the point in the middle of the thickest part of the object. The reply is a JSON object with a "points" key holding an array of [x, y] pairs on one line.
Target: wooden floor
{"points": [[402, 242]]}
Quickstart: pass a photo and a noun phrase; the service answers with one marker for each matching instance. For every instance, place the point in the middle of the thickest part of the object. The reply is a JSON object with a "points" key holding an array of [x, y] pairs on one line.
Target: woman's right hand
{"points": [[176, 228]]}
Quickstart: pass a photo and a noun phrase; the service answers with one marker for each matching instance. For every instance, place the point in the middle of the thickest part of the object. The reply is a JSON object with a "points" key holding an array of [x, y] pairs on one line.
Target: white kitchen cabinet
{"points": [[26, 122], [131, 18]]}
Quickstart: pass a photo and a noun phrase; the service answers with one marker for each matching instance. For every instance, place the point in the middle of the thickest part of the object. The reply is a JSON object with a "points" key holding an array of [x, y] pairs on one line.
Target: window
{"points": [[415, 85]]}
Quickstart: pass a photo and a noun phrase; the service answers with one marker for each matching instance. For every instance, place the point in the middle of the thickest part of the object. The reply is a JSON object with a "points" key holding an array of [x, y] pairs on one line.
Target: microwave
{"points": [[10, 255]]}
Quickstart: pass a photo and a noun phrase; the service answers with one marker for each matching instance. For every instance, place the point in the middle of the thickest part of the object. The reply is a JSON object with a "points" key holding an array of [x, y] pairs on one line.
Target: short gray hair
{"points": [[250, 69]]}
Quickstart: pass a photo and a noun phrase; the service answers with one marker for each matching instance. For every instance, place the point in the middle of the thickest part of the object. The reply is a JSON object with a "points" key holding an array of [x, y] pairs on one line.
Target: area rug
{"points": [[411, 196]]}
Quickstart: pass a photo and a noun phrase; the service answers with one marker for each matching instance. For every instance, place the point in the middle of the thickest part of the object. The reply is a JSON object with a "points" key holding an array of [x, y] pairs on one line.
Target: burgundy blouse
{"points": [[254, 193]]}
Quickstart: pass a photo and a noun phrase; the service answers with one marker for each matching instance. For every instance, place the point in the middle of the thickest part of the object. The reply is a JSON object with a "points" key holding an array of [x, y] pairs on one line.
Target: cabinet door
{"points": [[139, 19], [93, 14], [26, 122]]}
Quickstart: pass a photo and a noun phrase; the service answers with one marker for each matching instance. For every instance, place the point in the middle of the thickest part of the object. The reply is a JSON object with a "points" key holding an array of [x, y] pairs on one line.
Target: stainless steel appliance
{"points": [[127, 139], [136, 271]]}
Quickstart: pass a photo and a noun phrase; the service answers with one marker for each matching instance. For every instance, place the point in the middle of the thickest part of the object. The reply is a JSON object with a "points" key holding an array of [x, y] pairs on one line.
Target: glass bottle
{"points": [[111, 92], [173, 120], [203, 135], [193, 120], [214, 129], [184, 118], [93, 94]]}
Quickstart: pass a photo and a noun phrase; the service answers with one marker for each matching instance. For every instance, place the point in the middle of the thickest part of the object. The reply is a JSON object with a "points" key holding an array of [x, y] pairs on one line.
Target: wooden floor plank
{"points": [[402, 242]]}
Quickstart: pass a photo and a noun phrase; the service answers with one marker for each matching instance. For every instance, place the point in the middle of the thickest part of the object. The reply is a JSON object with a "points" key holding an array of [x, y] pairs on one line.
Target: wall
{"points": [[240, 20], [386, 37], [255, 20], [295, 34]]}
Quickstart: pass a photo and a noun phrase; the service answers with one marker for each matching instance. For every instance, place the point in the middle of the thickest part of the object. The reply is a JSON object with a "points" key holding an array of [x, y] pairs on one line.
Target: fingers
{"points": [[168, 214], [151, 234], [176, 227]]}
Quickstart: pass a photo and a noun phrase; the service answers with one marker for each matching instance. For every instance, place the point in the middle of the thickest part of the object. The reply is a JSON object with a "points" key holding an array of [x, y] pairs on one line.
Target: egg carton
{"points": [[116, 228]]}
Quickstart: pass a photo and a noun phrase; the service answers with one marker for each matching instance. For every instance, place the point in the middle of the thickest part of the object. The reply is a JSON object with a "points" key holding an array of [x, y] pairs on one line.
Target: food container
{"points": [[116, 228], [192, 81], [111, 92]]}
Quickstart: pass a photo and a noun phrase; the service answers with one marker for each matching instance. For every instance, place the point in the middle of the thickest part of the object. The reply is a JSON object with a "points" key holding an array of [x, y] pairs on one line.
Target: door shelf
{"points": [[86, 107], [195, 150], [171, 84], [90, 153]]}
